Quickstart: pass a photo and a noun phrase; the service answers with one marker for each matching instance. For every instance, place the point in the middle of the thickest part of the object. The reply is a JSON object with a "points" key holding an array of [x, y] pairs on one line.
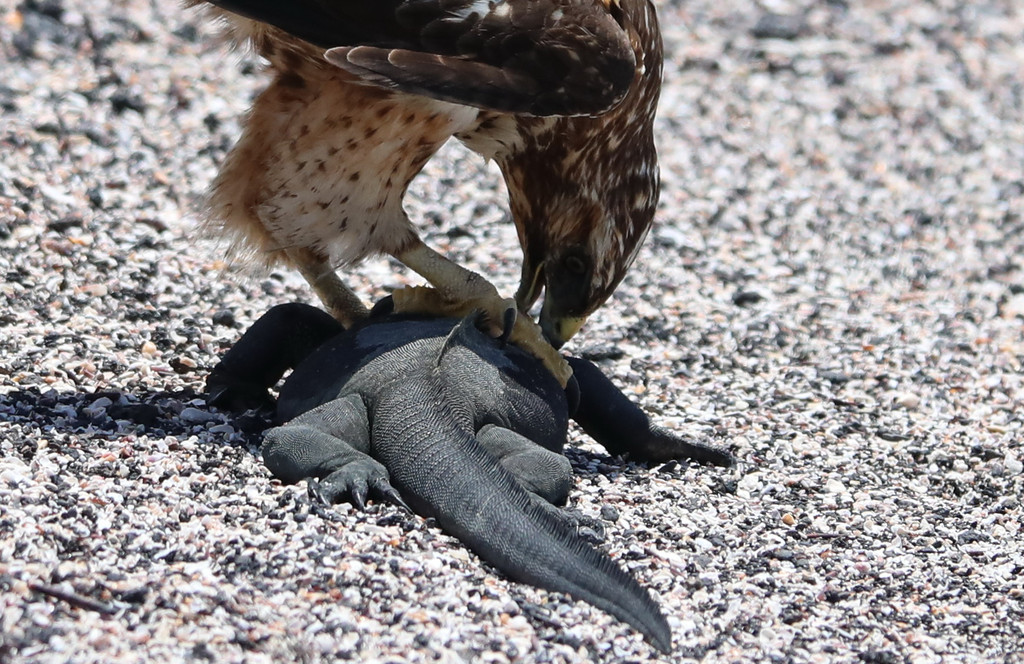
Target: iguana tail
{"points": [[443, 472]]}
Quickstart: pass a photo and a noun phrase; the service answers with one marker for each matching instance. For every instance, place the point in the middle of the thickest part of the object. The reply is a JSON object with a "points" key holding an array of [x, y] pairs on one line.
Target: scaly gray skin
{"points": [[439, 415]]}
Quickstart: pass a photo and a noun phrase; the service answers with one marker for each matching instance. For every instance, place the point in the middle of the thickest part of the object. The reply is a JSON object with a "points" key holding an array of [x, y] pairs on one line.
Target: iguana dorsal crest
{"points": [[465, 334]]}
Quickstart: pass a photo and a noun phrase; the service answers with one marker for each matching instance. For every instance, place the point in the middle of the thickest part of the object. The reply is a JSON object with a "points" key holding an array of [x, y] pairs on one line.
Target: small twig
{"points": [[72, 598]]}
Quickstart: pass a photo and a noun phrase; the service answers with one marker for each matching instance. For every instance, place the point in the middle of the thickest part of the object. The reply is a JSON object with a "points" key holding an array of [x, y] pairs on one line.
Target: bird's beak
{"points": [[556, 326], [559, 328]]}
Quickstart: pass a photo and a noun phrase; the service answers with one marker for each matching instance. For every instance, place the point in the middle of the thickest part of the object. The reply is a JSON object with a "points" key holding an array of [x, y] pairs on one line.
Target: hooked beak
{"points": [[557, 327]]}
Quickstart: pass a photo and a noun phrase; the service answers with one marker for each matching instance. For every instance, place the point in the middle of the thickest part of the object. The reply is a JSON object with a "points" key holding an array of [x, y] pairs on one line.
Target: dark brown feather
{"points": [[498, 54], [440, 77]]}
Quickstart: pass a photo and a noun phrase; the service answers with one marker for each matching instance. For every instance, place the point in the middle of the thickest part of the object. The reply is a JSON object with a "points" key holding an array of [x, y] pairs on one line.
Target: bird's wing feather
{"points": [[541, 57], [327, 23]]}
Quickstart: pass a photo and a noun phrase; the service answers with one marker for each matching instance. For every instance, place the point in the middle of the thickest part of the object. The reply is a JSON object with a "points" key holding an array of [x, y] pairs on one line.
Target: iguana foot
{"points": [[661, 444], [500, 317], [590, 529], [355, 482]]}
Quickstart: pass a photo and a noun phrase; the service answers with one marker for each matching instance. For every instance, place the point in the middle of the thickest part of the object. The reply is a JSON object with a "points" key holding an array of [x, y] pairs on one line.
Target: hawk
{"points": [[561, 94]]}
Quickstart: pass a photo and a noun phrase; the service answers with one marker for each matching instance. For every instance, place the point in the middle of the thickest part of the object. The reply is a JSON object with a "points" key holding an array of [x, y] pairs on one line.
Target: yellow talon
{"points": [[525, 332], [527, 335]]}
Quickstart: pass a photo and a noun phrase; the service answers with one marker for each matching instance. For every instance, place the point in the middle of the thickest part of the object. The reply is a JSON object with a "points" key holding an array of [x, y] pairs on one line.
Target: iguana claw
{"points": [[355, 482], [237, 396], [388, 493]]}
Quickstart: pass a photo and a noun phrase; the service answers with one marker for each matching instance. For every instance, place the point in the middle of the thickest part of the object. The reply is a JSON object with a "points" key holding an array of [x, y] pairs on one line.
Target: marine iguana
{"points": [[436, 414]]}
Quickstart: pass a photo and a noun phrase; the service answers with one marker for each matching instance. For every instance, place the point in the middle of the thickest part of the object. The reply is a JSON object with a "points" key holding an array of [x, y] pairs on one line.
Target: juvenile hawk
{"points": [[560, 93]]}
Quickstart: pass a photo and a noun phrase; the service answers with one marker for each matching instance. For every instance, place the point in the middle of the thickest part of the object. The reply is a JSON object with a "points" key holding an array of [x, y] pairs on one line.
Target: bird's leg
{"points": [[457, 291], [339, 299]]}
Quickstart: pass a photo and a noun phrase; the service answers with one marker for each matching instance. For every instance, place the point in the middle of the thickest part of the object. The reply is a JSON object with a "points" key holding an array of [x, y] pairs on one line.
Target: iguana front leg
{"points": [[621, 427], [457, 292], [330, 443], [275, 343]]}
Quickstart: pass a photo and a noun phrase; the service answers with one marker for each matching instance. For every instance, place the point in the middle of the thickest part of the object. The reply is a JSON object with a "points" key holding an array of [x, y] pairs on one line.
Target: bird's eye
{"points": [[575, 264]]}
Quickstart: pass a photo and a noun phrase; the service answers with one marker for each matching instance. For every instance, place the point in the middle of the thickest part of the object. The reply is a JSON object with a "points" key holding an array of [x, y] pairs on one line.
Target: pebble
{"points": [[1014, 306], [908, 400], [196, 416], [779, 26]]}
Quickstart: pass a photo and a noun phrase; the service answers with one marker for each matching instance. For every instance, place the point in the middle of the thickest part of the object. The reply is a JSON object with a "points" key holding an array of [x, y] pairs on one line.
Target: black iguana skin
{"points": [[467, 431]]}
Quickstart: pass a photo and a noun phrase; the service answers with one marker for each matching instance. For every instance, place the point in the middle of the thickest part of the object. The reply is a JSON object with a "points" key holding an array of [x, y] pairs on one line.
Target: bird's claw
{"points": [[499, 314], [511, 315]]}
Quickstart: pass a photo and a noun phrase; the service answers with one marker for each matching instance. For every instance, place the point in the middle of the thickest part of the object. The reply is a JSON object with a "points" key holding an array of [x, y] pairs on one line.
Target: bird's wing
{"points": [[540, 57]]}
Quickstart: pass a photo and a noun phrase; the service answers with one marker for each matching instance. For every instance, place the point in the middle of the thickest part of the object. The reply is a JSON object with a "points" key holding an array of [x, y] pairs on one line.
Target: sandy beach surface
{"points": [[834, 289]]}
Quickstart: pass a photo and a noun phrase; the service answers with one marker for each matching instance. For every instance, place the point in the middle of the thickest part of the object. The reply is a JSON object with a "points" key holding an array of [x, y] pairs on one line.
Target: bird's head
{"points": [[583, 194], [580, 231]]}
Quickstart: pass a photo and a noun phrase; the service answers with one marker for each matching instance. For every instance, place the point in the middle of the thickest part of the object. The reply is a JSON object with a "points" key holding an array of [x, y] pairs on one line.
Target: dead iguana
{"points": [[438, 415]]}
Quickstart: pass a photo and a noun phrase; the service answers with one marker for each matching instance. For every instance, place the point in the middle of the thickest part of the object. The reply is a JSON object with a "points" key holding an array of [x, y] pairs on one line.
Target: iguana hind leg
{"points": [[546, 476], [331, 444], [621, 427], [540, 471]]}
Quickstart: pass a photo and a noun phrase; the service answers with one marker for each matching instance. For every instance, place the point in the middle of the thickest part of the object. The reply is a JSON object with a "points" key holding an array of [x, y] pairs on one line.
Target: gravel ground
{"points": [[835, 290]]}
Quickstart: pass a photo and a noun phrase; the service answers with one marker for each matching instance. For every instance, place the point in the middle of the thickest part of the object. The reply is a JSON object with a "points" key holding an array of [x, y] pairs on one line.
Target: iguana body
{"points": [[467, 431]]}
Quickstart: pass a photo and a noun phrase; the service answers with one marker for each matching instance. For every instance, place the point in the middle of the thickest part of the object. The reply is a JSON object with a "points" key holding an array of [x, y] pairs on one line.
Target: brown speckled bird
{"points": [[560, 93]]}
